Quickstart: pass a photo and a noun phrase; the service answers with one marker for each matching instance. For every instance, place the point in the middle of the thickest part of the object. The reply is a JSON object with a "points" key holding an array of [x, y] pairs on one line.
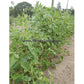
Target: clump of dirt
{"points": [[64, 73]]}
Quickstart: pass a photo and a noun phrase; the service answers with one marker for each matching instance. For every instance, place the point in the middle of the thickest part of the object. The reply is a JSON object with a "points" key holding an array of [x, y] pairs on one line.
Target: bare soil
{"points": [[64, 73]]}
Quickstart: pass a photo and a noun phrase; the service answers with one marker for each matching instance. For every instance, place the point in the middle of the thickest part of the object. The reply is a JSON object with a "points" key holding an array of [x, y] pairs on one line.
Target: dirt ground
{"points": [[64, 73]]}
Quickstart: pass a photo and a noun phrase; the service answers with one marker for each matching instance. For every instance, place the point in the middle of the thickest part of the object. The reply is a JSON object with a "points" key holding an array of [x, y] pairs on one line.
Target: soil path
{"points": [[64, 73]]}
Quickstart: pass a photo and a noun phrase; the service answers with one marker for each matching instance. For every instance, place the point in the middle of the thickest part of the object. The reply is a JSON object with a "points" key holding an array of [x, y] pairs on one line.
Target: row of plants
{"points": [[28, 60]]}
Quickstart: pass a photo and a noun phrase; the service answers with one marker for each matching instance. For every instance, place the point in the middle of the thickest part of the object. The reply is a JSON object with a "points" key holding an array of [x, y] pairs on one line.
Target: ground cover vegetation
{"points": [[28, 60]]}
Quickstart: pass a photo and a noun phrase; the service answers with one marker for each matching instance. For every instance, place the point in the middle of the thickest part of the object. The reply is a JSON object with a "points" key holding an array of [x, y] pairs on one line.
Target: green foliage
{"points": [[11, 11], [60, 60], [20, 8], [11, 20], [70, 11], [28, 60]]}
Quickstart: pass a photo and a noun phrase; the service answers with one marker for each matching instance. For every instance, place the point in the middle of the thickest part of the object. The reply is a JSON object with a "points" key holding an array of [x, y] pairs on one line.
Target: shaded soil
{"points": [[64, 73]]}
